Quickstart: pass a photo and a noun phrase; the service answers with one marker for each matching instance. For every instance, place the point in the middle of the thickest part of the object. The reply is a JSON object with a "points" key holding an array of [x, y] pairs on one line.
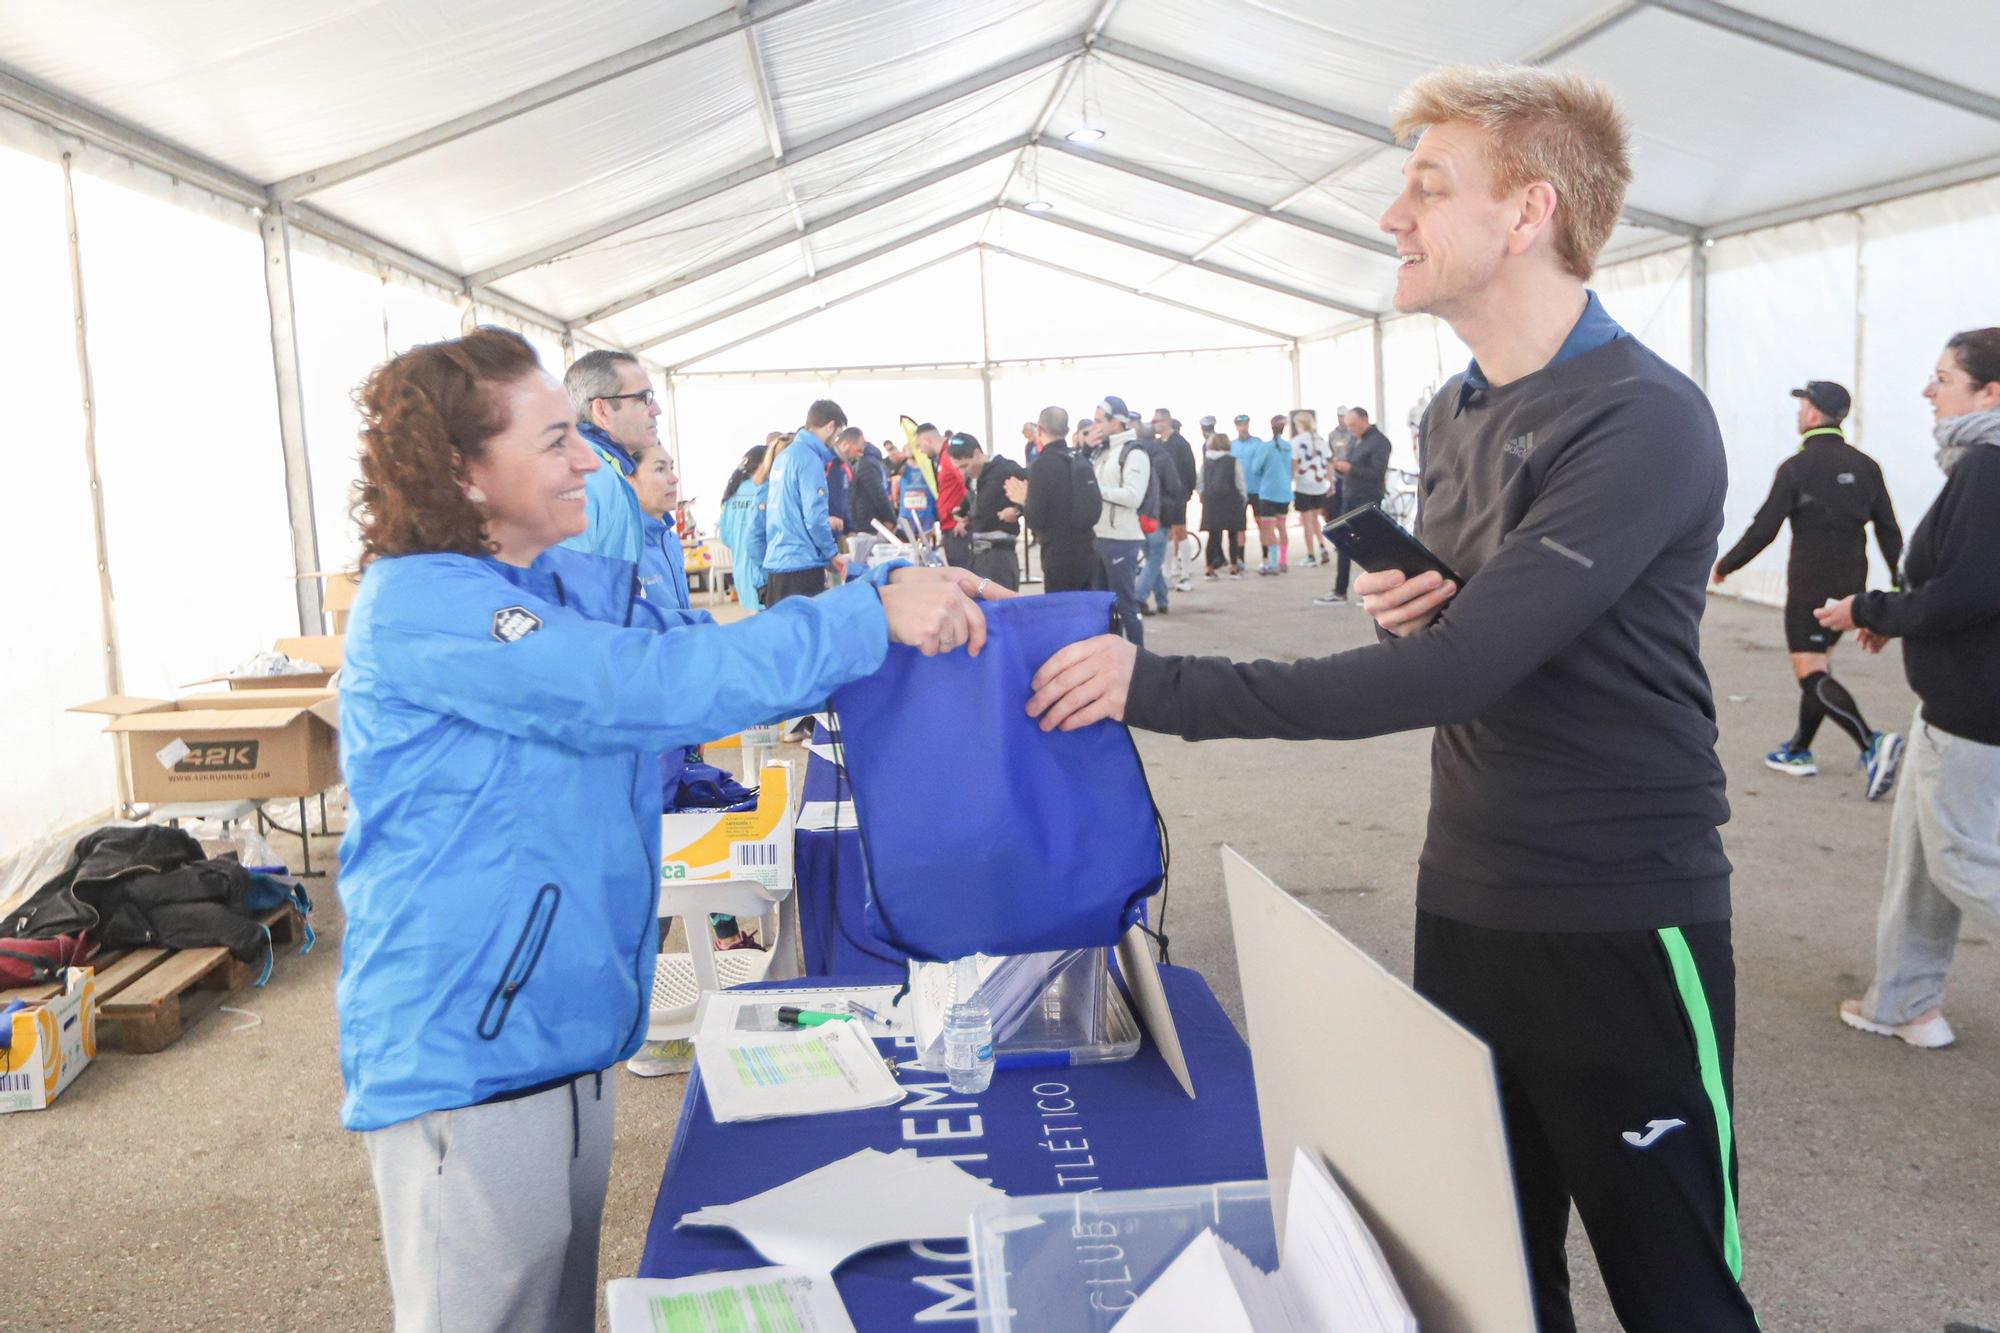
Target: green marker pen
{"points": [[808, 1018]]}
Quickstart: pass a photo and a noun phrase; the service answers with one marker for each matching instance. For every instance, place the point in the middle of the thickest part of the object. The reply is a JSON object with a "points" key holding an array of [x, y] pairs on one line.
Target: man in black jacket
{"points": [[1174, 507], [1572, 892], [1364, 479], [1830, 491], [995, 525], [1049, 496], [868, 494]]}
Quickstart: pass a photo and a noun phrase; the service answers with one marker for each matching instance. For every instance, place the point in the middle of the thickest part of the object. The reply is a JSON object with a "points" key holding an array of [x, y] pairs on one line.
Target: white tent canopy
{"points": [[902, 198]]}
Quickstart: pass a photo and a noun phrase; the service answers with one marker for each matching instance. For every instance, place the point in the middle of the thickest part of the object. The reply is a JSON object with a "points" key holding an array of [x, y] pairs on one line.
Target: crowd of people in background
{"points": [[1109, 500]]}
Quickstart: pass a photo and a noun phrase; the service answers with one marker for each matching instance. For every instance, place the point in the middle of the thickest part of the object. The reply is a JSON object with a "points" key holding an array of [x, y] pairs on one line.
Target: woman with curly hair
{"points": [[503, 707]]}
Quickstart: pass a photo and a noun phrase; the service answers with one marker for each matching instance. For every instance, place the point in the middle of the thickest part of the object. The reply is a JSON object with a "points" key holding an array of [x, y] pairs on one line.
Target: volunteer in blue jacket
{"points": [[618, 414], [662, 563], [800, 547], [503, 705]]}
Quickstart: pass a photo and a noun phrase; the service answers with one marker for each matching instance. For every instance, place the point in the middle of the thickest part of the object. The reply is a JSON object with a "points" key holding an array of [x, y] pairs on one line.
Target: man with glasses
{"points": [[618, 414]]}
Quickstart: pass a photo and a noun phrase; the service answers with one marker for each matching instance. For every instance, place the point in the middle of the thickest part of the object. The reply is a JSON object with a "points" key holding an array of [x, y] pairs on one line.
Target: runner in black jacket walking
{"points": [[1830, 491]]}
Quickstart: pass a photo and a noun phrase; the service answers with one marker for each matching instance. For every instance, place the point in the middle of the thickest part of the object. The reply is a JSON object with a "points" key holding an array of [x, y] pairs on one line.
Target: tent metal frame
{"points": [[280, 208], [655, 209], [743, 19]]}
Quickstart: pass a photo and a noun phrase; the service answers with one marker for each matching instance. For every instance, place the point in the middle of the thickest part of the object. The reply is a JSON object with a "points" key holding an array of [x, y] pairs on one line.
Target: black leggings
{"points": [[1215, 547]]}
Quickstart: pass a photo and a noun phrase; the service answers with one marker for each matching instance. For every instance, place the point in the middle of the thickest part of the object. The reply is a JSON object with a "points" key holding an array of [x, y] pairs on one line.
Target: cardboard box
{"points": [[243, 745], [51, 1043], [751, 844], [327, 650], [336, 595]]}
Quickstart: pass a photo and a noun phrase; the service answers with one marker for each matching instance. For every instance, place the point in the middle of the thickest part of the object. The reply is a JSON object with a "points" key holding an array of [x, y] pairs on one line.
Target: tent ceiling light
{"points": [[1084, 134], [1039, 206]]}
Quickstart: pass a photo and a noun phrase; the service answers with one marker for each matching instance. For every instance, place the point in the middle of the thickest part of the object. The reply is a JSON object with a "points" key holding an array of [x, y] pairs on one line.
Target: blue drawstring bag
{"points": [[980, 833]]}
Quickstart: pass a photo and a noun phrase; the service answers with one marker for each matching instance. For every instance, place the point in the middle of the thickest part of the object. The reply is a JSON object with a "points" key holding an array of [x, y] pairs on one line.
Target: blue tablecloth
{"points": [[827, 866], [1041, 1131]]}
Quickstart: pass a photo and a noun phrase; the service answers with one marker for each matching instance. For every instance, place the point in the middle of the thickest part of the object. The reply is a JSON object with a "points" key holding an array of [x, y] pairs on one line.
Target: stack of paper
{"points": [[1331, 1276], [770, 1300], [824, 1217], [759, 1076]]}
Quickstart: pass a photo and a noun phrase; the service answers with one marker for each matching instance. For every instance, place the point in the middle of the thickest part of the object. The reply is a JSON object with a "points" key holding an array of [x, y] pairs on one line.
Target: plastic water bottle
{"points": [[968, 1033]]}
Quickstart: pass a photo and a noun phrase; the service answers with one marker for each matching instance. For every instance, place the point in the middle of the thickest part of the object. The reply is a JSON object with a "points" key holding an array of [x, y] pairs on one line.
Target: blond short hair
{"points": [[1559, 127]]}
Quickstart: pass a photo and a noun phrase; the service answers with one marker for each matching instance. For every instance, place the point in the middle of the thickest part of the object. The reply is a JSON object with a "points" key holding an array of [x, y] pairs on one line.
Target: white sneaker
{"points": [[1930, 1035], [656, 1058], [1186, 584]]}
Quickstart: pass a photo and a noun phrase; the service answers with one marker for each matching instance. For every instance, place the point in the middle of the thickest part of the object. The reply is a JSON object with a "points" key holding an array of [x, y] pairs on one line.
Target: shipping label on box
{"points": [[747, 844], [50, 1043]]}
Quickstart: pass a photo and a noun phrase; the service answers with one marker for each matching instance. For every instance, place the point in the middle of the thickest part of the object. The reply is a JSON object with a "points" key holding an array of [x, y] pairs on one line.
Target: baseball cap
{"points": [[1114, 406], [1208, 421], [1827, 396], [1243, 418]]}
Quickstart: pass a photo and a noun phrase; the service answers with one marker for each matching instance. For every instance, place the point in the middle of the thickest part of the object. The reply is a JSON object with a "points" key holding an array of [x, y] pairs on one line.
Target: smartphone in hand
{"points": [[1376, 542]]}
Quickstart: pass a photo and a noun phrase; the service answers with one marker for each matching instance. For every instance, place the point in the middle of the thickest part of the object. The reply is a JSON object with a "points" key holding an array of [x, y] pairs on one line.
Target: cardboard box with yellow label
{"points": [[748, 844], [49, 1044]]}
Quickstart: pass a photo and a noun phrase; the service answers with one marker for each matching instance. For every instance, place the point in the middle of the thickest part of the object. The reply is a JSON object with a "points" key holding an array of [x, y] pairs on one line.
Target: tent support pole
{"points": [[1381, 377], [986, 354], [114, 672], [292, 415], [1298, 381], [1698, 314]]}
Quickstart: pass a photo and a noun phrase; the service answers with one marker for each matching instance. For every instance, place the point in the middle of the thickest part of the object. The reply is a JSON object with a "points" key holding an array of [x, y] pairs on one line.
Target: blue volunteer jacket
{"points": [[1277, 473], [500, 731], [742, 531], [1252, 453], [614, 525], [663, 564], [795, 511]]}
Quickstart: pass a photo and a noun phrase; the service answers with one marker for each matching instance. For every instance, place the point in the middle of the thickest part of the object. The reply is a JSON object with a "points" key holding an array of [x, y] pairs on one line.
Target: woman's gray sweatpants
{"points": [[1944, 864], [490, 1214]]}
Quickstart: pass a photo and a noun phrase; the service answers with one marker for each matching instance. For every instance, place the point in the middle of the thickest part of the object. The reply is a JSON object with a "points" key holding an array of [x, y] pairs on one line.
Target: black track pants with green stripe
{"points": [[1614, 1051]]}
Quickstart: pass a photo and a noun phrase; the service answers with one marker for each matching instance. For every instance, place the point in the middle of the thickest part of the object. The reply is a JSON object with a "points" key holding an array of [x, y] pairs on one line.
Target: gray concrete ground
{"points": [[210, 1187]]}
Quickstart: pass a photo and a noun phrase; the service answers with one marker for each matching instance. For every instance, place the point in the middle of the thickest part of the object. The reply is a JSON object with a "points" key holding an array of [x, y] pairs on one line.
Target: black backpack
{"points": [[1149, 504], [1086, 500]]}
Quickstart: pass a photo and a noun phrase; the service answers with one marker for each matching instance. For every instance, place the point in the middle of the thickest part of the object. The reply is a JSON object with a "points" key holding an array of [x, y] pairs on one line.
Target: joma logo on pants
{"points": [[220, 757]]}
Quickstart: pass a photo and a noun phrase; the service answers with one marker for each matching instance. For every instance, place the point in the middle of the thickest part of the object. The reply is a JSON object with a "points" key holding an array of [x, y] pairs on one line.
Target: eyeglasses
{"points": [[646, 396]]}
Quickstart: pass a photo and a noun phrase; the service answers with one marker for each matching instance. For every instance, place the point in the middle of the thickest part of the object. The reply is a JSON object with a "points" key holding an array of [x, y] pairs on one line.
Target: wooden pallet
{"points": [[146, 998]]}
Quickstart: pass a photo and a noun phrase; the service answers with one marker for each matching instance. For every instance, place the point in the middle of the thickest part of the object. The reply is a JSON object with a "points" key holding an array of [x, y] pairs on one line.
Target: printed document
{"points": [[767, 1300], [1331, 1275], [808, 1071]]}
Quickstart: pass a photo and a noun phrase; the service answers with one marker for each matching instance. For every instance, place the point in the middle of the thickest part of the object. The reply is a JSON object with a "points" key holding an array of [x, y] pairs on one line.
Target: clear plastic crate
{"points": [[1074, 1263], [1061, 1006]]}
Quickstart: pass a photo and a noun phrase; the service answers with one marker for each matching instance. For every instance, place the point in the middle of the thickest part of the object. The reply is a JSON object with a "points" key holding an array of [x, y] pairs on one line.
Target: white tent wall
{"points": [[187, 430], [1930, 267], [1419, 354], [1653, 299], [1337, 372], [1189, 384], [57, 768]]}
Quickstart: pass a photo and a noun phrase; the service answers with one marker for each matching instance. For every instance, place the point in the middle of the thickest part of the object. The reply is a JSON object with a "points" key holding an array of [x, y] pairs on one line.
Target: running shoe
{"points": [[1880, 761], [1931, 1034], [656, 1058], [1186, 584], [1309, 562], [1236, 573], [1266, 570], [1797, 763], [1330, 599]]}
